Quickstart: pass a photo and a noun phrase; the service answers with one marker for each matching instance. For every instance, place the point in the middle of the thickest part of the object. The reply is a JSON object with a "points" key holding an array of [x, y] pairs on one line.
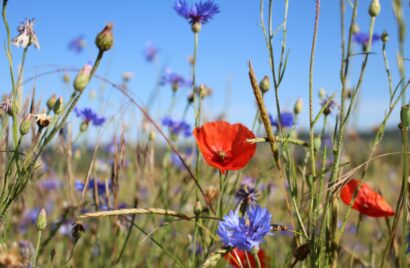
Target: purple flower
{"points": [[77, 44], [363, 38], [79, 186], [201, 12], [330, 107], [245, 232], [50, 184], [177, 127], [150, 52], [175, 80], [177, 162], [286, 120], [89, 116]]}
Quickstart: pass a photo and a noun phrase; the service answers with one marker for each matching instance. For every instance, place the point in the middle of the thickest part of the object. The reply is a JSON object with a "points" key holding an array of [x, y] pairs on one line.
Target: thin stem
{"points": [[37, 249]]}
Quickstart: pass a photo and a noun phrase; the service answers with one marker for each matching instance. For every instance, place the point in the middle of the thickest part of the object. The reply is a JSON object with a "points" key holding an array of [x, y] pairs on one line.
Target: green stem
{"points": [[257, 260], [37, 249]]}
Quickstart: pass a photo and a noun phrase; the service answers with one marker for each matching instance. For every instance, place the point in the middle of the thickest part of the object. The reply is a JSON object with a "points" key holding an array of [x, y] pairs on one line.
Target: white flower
{"points": [[27, 36]]}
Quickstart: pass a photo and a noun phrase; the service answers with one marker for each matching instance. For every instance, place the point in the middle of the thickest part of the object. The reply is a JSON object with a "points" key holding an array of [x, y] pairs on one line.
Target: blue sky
{"points": [[225, 45]]}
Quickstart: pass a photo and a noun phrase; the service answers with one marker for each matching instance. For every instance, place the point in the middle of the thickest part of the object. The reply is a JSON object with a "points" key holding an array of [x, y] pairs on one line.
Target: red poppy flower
{"points": [[367, 201], [238, 258], [224, 145]]}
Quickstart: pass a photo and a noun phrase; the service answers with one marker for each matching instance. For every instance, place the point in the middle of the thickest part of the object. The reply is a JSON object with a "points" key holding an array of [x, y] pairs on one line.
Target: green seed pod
{"points": [[41, 222], [105, 40], [82, 78], [297, 109], [196, 27], [58, 106], [264, 84], [374, 8], [51, 102], [25, 125], [405, 115]]}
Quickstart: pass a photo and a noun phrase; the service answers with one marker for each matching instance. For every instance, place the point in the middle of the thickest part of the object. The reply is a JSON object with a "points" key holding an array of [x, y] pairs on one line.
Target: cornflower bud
{"points": [[264, 84], [51, 102], [41, 222], [374, 8], [58, 106], [105, 40], [82, 78], [25, 125]]}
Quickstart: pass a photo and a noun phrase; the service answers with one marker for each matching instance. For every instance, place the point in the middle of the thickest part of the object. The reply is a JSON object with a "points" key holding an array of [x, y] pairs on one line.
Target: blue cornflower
{"points": [[363, 38], [245, 232], [50, 184], [77, 44], [201, 12], [79, 186], [150, 52], [89, 116], [177, 127], [286, 120], [330, 107], [175, 80]]}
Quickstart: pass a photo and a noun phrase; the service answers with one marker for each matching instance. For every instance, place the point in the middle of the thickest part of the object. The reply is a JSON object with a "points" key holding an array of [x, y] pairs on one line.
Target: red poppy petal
{"points": [[236, 256], [367, 201]]}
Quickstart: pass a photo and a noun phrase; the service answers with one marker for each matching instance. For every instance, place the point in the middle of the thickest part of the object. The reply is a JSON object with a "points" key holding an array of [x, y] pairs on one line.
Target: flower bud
{"points": [[82, 78], [385, 37], [196, 27], [77, 231], [297, 109], [51, 101], [84, 126], [356, 28], [191, 98], [66, 78], [58, 106], [264, 84], [317, 143], [374, 8], [197, 208], [41, 222], [405, 115], [25, 125], [105, 40], [322, 93], [151, 135]]}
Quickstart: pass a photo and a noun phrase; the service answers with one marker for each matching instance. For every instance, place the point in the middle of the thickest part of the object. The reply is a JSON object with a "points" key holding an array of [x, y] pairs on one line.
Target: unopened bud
{"points": [[322, 93], [197, 208], [405, 115], [84, 126], [151, 135], [25, 125], [196, 27], [264, 84], [51, 101], [66, 78], [317, 143], [58, 106], [41, 222], [374, 8], [77, 231], [105, 40], [82, 78], [297, 109], [385, 37], [355, 28]]}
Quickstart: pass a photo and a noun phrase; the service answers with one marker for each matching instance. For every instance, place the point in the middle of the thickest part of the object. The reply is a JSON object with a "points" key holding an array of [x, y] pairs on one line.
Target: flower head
{"points": [[247, 232], [77, 44], [224, 146], [332, 104], [247, 196], [89, 116], [286, 120], [27, 36], [201, 12], [242, 259], [367, 201], [175, 80], [150, 52], [101, 186], [363, 38], [177, 127]]}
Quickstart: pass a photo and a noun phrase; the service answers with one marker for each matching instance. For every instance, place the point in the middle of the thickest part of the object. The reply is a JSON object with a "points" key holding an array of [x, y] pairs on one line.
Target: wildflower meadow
{"points": [[205, 133]]}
